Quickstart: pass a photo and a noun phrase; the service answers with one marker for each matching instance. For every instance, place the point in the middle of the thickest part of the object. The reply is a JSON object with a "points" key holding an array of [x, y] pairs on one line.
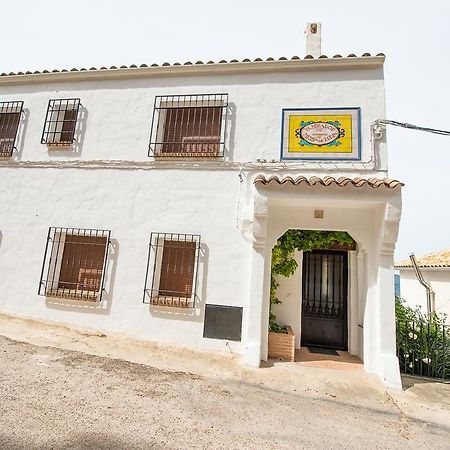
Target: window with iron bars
{"points": [[172, 267], [75, 263], [10, 113], [189, 126], [61, 122]]}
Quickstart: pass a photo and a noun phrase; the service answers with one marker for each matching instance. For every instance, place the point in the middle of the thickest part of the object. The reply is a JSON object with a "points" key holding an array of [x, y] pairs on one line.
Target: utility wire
{"points": [[412, 127]]}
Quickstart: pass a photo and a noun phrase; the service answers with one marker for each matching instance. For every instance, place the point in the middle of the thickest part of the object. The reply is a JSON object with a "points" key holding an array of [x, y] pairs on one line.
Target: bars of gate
{"points": [[423, 348]]}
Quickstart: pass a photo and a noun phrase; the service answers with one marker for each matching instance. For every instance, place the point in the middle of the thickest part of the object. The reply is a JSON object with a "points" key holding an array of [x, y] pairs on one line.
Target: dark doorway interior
{"points": [[324, 303]]}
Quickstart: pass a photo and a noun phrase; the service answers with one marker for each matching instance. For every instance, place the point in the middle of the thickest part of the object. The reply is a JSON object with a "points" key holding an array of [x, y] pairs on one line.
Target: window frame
{"points": [[164, 103], [53, 129], [10, 107], [152, 291], [50, 280]]}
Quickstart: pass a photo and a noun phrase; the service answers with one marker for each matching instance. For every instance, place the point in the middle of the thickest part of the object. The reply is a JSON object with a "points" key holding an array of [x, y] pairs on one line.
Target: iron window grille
{"points": [[10, 113], [75, 263], [189, 126], [61, 122], [172, 268]]}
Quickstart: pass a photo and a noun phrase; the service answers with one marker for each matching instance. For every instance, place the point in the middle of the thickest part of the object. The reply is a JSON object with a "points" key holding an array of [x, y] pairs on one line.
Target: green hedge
{"points": [[423, 343]]}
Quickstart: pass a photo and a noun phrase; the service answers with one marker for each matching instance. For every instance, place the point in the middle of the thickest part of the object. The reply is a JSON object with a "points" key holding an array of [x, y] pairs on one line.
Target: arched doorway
{"points": [[310, 287]]}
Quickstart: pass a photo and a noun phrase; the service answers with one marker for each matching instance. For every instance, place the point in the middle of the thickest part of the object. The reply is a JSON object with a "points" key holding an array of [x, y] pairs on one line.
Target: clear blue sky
{"points": [[414, 35]]}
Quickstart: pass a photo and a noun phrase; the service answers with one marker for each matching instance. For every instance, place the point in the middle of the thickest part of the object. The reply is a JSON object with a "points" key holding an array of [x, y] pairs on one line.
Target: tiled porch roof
{"points": [[329, 181], [437, 259]]}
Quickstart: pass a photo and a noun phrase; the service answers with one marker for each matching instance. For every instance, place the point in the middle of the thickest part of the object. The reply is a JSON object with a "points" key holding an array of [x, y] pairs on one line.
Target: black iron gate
{"points": [[324, 303], [423, 347]]}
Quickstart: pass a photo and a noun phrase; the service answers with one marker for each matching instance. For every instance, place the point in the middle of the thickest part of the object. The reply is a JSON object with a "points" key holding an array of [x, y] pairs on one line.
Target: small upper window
{"points": [[74, 263], [61, 122], [10, 113], [174, 259], [189, 126]]}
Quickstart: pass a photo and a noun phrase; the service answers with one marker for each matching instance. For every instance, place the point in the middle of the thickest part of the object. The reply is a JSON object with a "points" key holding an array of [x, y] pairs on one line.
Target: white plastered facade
{"points": [[107, 181], [415, 295]]}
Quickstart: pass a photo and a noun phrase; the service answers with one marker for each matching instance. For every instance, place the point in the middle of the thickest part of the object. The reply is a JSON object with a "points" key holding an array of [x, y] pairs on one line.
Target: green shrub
{"points": [[423, 343]]}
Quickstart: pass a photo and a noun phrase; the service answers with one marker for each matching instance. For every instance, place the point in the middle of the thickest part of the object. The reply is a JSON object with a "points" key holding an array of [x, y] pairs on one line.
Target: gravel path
{"points": [[59, 399]]}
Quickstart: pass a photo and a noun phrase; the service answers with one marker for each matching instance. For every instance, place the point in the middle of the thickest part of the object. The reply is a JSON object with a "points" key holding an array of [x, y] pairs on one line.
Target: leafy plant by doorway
{"points": [[284, 263]]}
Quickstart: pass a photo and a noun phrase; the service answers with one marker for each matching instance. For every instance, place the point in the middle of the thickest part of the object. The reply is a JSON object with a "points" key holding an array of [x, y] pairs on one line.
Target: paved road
{"points": [[59, 399]]}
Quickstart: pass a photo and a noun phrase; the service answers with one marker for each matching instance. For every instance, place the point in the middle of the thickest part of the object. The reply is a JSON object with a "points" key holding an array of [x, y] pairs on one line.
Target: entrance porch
{"points": [[369, 211]]}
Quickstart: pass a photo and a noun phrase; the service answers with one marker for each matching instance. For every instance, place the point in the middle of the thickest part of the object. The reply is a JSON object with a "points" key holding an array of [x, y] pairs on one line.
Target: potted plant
{"points": [[281, 342]]}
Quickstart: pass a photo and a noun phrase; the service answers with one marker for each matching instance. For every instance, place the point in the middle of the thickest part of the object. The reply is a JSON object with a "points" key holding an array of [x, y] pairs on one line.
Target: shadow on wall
{"points": [[230, 127], [75, 149], [197, 313], [21, 133], [101, 308]]}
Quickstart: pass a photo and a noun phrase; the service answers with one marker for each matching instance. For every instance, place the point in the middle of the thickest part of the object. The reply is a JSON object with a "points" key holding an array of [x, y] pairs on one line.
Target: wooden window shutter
{"points": [[9, 123], [193, 131], [82, 263], [69, 125], [177, 269]]}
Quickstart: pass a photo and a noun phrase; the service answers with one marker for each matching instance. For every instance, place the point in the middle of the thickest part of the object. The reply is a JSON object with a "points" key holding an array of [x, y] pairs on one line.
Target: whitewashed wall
{"points": [[289, 292], [115, 120], [131, 205], [415, 294], [116, 115]]}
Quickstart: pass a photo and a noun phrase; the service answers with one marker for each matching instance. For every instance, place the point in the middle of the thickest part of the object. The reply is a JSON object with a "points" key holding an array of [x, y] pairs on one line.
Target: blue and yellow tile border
{"points": [[321, 134]]}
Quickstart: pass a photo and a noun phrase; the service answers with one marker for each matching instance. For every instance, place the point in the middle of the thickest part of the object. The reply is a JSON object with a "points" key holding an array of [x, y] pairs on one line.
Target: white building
{"points": [[435, 269], [98, 163]]}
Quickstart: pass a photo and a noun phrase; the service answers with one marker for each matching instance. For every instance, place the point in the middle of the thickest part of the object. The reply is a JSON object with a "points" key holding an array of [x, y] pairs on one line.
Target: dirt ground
{"points": [[63, 399]]}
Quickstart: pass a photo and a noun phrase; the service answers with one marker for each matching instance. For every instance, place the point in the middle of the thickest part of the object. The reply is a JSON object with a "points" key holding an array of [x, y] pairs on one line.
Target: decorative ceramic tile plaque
{"points": [[321, 134]]}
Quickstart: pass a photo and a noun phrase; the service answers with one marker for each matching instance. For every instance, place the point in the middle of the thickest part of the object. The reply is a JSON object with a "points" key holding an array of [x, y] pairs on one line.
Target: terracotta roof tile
{"points": [[436, 259], [233, 61], [329, 181]]}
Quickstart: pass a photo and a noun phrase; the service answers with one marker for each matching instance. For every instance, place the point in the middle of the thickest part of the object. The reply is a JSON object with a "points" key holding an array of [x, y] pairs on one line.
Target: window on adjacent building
{"points": [[172, 270], [61, 122], [74, 263], [189, 126], [10, 113]]}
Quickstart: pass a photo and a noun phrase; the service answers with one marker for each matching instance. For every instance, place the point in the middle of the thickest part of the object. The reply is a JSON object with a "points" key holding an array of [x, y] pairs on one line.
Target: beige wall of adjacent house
{"points": [[415, 294]]}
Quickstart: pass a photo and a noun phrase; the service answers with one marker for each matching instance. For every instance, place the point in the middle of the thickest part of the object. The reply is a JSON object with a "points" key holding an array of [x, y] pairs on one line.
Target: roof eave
{"points": [[196, 69]]}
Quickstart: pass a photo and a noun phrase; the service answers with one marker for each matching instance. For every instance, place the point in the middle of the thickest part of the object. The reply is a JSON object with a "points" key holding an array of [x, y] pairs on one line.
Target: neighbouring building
{"points": [[435, 269], [147, 200]]}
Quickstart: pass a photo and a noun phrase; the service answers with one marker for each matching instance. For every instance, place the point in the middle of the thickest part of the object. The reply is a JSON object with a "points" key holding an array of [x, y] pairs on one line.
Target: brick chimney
{"points": [[313, 39]]}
